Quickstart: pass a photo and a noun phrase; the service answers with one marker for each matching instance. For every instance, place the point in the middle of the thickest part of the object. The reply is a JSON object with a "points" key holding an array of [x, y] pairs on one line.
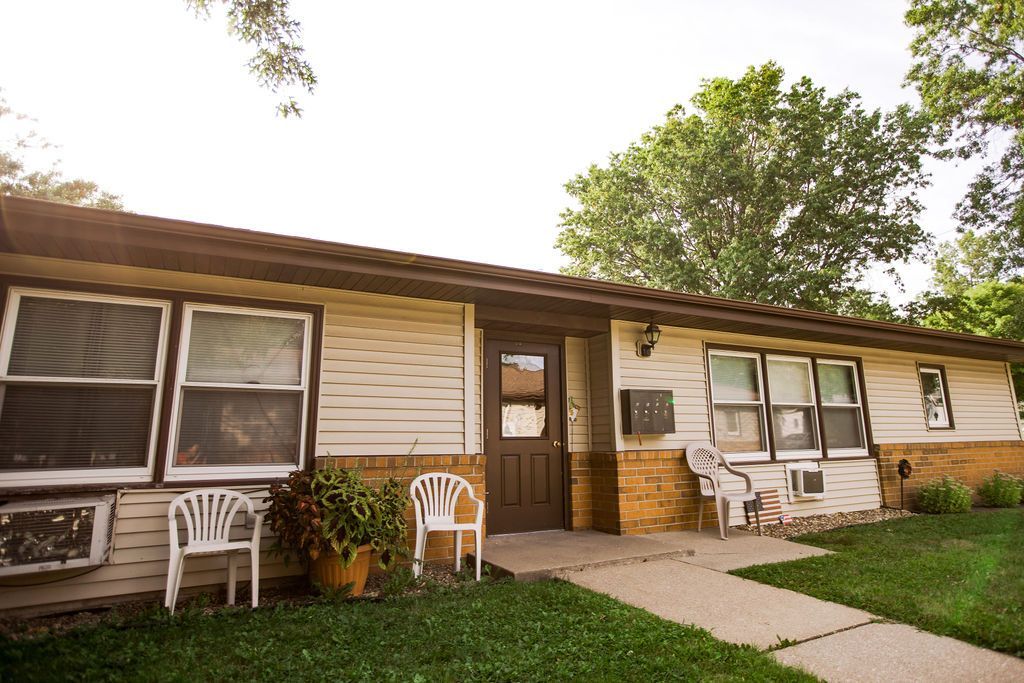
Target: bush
{"points": [[941, 496], [1001, 490]]}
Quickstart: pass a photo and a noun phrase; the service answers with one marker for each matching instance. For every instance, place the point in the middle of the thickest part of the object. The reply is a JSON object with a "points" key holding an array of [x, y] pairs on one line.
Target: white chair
{"points": [[704, 460], [209, 515], [434, 497]]}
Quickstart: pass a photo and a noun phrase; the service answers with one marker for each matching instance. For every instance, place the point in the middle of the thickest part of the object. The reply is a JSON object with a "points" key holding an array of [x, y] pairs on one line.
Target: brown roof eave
{"points": [[37, 219]]}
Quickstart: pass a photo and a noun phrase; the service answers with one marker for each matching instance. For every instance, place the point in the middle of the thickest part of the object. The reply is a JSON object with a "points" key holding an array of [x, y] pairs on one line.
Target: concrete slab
{"points": [[896, 652], [733, 609], [529, 557], [543, 555], [743, 549]]}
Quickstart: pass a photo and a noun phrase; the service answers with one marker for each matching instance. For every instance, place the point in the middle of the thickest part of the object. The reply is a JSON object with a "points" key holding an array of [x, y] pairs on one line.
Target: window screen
{"points": [[80, 382]]}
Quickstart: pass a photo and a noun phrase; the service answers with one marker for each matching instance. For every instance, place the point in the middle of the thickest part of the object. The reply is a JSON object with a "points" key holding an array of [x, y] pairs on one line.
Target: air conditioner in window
{"points": [[806, 480], [56, 533]]}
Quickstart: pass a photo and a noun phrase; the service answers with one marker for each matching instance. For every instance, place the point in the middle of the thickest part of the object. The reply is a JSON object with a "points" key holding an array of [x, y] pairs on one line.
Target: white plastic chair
{"points": [[704, 460], [434, 497], [209, 514]]}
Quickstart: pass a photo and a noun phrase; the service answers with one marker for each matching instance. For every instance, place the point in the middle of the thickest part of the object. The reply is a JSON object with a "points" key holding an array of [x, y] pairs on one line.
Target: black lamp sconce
{"points": [[645, 346]]}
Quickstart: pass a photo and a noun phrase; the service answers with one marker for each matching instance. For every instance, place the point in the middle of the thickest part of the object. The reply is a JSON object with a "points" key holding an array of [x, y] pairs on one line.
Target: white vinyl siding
{"points": [[602, 417], [578, 388], [852, 486], [983, 409], [139, 560]]}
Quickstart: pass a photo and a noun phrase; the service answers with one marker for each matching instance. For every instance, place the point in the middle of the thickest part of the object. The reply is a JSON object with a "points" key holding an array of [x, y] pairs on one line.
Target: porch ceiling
{"points": [[507, 299]]}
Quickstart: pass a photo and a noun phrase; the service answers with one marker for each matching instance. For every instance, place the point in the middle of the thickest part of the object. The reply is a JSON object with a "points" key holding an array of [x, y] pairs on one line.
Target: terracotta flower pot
{"points": [[328, 572]]}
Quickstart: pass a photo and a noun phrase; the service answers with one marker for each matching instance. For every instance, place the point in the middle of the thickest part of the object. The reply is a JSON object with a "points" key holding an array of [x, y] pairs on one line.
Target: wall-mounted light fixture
{"points": [[645, 346]]}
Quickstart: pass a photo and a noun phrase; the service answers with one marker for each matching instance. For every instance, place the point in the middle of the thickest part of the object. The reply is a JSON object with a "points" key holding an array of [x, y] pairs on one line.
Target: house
{"points": [[141, 356]]}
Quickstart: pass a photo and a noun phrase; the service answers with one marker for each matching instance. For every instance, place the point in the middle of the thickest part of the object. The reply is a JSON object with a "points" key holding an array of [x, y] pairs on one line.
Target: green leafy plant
{"points": [[334, 509], [1001, 490], [945, 495]]}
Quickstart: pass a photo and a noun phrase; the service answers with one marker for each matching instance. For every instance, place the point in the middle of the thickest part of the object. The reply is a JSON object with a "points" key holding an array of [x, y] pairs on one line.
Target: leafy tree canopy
{"points": [[279, 61], [50, 184], [765, 194], [969, 70]]}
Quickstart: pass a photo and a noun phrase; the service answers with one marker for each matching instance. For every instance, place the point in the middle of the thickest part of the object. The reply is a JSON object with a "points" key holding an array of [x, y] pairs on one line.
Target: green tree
{"points": [[781, 196], [16, 179], [969, 70], [279, 61]]}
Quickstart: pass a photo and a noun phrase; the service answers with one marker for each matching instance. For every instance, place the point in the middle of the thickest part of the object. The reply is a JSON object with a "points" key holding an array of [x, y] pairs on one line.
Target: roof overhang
{"points": [[507, 299]]}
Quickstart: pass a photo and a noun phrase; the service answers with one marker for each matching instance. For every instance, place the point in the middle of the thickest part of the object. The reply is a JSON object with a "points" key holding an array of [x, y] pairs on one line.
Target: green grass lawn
{"points": [[957, 575], [500, 631]]}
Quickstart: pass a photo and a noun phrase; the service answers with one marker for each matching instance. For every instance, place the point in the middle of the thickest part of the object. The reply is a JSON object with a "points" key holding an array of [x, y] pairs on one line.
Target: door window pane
{"points": [[734, 378], [84, 339], [837, 383], [234, 348], [789, 381], [46, 427], [739, 429], [523, 396], [843, 427], [794, 428], [238, 427]]}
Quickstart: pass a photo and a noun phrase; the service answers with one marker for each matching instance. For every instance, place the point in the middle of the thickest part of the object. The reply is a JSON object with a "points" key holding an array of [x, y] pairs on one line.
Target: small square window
{"points": [[935, 392]]}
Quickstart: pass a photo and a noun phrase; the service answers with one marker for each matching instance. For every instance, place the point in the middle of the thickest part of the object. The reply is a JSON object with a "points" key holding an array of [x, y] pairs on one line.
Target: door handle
{"points": [[556, 444]]}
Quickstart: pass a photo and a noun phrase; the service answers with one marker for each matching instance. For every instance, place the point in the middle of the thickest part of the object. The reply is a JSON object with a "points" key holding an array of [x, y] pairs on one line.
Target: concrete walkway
{"points": [[681, 577]]}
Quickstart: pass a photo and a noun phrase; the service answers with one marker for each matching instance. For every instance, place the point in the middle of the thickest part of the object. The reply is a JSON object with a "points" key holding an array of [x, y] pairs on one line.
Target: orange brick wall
{"points": [[440, 545], [635, 492], [968, 461]]}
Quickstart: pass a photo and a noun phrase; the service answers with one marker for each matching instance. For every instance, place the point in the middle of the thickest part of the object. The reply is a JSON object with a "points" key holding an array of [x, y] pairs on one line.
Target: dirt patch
{"points": [[818, 523]]}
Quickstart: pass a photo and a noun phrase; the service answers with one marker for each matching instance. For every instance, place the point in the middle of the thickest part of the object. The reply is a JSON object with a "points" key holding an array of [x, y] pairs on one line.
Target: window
{"points": [[935, 392], [814, 404], [738, 400], [242, 393], [841, 407], [80, 379], [794, 410]]}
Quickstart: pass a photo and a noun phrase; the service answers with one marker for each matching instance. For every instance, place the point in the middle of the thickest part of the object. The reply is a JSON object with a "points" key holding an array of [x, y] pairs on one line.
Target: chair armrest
{"points": [[742, 475], [479, 507], [257, 526]]}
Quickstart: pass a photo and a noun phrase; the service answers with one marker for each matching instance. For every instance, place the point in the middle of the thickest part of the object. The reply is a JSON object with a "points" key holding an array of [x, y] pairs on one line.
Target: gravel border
{"points": [[817, 523]]}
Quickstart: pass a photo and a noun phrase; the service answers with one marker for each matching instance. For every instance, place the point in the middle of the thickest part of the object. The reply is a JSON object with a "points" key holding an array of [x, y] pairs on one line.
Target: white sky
{"points": [[445, 128]]}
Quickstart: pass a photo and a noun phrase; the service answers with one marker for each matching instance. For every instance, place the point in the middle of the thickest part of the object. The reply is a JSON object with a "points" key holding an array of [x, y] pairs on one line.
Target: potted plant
{"points": [[333, 520]]}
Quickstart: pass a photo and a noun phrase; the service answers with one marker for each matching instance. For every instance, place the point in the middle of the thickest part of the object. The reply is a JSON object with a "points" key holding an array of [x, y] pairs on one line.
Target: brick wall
{"points": [[635, 492], [440, 545], [968, 461]]}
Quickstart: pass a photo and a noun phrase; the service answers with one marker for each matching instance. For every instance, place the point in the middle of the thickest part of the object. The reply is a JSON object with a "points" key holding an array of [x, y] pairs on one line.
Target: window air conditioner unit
{"points": [[806, 480], [56, 533]]}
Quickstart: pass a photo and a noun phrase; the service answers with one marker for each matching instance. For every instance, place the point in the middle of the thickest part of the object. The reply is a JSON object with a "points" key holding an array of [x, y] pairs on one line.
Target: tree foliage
{"points": [[279, 61], [969, 70], [18, 180], [765, 194]]}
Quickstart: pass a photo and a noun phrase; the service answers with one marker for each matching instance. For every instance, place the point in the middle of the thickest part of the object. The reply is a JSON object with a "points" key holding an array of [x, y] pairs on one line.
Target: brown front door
{"points": [[523, 435]]}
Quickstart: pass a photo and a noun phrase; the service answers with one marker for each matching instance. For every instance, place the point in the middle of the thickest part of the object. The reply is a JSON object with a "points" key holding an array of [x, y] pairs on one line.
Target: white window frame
{"points": [[947, 424], [753, 455], [73, 475], [813, 405], [859, 405], [237, 472]]}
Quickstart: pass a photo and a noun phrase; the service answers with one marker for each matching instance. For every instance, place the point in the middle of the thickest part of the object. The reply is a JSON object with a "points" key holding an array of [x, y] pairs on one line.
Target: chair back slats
{"points": [[209, 513], [435, 495], [703, 458]]}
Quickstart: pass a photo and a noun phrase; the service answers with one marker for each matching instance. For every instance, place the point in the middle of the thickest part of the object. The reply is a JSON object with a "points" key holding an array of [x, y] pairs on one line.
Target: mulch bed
{"points": [[818, 523]]}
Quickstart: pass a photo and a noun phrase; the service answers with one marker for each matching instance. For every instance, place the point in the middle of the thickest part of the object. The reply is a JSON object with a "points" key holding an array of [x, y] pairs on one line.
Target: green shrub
{"points": [[1001, 490], [941, 496]]}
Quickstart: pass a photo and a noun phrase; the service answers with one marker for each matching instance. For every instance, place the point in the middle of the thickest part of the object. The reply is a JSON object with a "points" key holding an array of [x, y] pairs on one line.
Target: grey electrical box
{"points": [[648, 411]]}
